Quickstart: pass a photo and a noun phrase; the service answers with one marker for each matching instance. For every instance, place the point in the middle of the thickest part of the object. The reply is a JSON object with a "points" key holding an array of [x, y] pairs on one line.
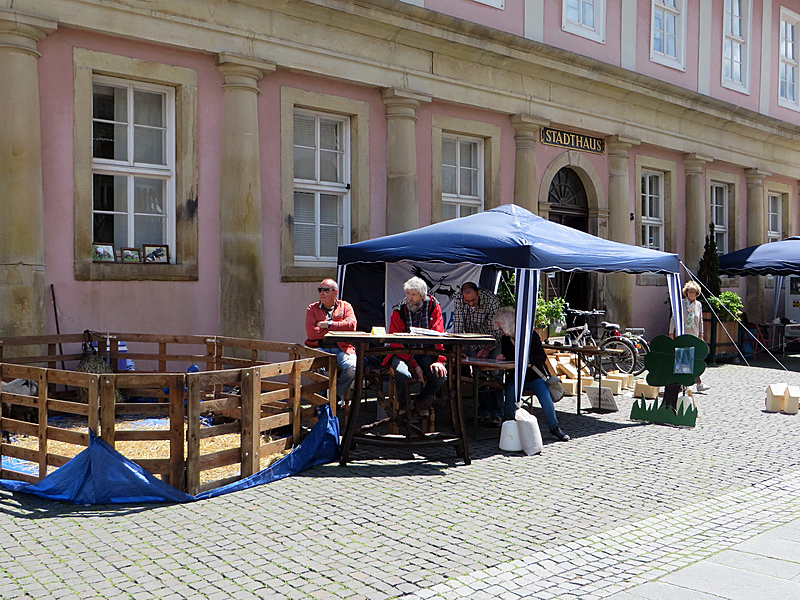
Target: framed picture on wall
{"points": [[155, 253], [131, 255], [103, 253]]}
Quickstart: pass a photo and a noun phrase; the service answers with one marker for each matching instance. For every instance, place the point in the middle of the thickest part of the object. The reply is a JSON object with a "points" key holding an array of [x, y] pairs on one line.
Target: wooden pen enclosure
{"points": [[264, 393]]}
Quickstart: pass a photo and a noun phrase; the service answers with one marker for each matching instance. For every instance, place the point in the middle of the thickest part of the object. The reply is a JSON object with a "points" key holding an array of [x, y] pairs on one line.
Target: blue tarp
{"points": [[101, 475], [512, 237], [774, 258]]}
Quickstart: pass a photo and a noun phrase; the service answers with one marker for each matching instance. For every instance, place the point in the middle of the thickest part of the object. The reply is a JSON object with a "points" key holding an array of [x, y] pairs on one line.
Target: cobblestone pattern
{"points": [[621, 504]]}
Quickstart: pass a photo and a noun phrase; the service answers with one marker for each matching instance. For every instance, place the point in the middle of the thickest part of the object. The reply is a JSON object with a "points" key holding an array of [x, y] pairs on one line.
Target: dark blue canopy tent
{"points": [[511, 237], [775, 258]]}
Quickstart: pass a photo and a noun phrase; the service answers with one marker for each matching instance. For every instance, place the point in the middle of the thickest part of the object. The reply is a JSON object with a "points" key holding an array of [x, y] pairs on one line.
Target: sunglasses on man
{"points": [[326, 290]]}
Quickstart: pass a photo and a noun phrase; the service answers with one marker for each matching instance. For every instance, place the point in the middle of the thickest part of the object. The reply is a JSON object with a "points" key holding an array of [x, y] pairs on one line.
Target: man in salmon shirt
{"points": [[417, 310], [332, 314]]}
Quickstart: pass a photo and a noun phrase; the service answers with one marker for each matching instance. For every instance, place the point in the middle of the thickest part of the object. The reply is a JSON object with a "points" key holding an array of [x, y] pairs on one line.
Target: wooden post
{"points": [[177, 465], [42, 406], [108, 408], [194, 383], [162, 362], [296, 381], [251, 419]]}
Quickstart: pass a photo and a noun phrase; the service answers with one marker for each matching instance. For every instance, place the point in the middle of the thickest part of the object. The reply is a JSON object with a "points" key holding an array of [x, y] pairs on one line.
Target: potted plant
{"points": [[727, 308], [549, 314]]}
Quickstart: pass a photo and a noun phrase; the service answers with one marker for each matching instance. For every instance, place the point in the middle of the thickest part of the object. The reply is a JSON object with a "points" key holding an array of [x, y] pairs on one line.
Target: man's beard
{"points": [[414, 306]]}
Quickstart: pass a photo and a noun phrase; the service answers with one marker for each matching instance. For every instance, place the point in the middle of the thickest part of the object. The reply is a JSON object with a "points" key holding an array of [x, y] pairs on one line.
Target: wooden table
{"points": [[477, 365], [582, 352], [363, 342]]}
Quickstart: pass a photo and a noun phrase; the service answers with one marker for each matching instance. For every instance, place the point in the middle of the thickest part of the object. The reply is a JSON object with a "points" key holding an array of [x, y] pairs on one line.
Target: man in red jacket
{"points": [[332, 314], [417, 310]]}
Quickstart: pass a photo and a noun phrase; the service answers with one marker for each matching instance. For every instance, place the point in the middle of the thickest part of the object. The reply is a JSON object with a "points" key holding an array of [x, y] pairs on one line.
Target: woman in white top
{"points": [[692, 318]]}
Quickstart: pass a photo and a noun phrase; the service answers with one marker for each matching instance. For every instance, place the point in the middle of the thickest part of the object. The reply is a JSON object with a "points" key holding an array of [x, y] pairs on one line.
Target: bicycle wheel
{"points": [[623, 361], [642, 348]]}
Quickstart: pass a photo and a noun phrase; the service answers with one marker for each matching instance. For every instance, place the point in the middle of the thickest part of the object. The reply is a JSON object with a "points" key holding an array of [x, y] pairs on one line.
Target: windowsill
{"points": [[787, 104], [651, 279], [98, 271], [736, 87], [298, 273], [584, 32], [665, 61]]}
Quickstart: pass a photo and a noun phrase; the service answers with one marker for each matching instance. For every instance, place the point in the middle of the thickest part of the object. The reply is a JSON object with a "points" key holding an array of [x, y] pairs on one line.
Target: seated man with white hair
{"points": [[417, 310]]}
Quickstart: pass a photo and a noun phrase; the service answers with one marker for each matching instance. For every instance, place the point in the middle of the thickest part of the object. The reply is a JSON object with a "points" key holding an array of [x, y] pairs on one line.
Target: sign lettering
{"points": [[574, 141]]}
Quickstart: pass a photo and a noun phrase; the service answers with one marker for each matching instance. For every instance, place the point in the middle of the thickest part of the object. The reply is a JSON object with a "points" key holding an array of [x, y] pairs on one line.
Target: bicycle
{"points": [[636, 336], [622, 359]]}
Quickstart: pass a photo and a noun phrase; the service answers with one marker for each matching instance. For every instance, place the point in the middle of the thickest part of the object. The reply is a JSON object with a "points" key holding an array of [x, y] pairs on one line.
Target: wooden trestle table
{"points": [[365, 345]]}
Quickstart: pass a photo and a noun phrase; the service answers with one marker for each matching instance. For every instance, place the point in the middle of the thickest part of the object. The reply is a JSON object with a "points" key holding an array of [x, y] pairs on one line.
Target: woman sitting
{"points": [[505, 321]]}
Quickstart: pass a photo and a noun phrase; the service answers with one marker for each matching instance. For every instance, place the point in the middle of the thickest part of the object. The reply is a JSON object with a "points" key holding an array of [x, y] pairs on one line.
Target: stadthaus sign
{"points": [[575, 141]]}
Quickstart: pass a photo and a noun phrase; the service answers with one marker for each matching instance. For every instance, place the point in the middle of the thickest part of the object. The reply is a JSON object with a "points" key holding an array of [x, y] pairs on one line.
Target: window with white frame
{"points": [[719, 215], [667, 33], [133, 163], [585, 18], [652, 209], [321, 186], [462, 176], [734, 44], [788, 93], [774, 217]]}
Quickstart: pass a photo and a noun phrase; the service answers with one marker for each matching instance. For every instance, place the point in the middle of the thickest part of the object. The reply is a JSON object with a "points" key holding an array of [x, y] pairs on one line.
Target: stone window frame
{"points": [[787, 212], [791, 17], [490, 134], [596, 33], [341, 189], [662, 58], [733, 184], [87, 64], [669, 170], [358, 113], [745, 41], [459, 199]]}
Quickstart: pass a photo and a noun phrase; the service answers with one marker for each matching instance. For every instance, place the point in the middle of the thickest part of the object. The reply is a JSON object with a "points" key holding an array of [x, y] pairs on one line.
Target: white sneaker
{"points": [[702, 387]]}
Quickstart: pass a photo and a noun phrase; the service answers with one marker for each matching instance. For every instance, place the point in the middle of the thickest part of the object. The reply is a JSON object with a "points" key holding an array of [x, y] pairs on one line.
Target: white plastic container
{"points": [[509, 437]]}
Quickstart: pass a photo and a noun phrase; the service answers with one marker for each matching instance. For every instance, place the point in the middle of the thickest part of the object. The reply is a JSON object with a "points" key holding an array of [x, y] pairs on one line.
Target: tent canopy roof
{"points": [[774, 258], [512, 237]]}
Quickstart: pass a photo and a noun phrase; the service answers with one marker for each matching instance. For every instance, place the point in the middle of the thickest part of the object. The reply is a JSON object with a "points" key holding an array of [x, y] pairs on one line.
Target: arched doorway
{"points": [[569, 206]]}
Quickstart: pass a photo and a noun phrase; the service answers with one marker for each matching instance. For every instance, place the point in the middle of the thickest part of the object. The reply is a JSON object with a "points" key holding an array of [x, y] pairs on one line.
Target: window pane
{"points": [[468, 209], [110, 229], [148, 108], [148, 196], [304, 211], [109, 103], [329, 167], [449, 180], [304, 126], [329, 209], [449, 211], [469, 182], [449, 151], [588, 15], [572, 10], [149, 145], [468, 154], [304, 242], [109, 141], [110, 193], [304, 159], [329, 134], [150, 230], [328, 241]]}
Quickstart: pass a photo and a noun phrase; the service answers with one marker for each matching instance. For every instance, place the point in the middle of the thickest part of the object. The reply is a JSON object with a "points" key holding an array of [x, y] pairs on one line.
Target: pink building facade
{"points": [[253, 140]]}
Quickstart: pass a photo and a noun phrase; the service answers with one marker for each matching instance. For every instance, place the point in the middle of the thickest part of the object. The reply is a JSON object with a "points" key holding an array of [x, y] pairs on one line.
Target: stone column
{"points": [[696, 210], [22, 284], [526, 180], [402, 202], [241, 245], [756, 234], [619, 286]]}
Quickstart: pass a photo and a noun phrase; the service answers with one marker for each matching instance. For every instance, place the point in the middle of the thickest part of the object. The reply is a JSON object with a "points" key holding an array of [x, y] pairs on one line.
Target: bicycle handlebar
{"points": [[586, 313]]}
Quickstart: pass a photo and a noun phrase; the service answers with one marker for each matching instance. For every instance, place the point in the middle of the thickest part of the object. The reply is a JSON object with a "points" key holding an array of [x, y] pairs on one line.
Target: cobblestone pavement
{"points": [[621, 504]]}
